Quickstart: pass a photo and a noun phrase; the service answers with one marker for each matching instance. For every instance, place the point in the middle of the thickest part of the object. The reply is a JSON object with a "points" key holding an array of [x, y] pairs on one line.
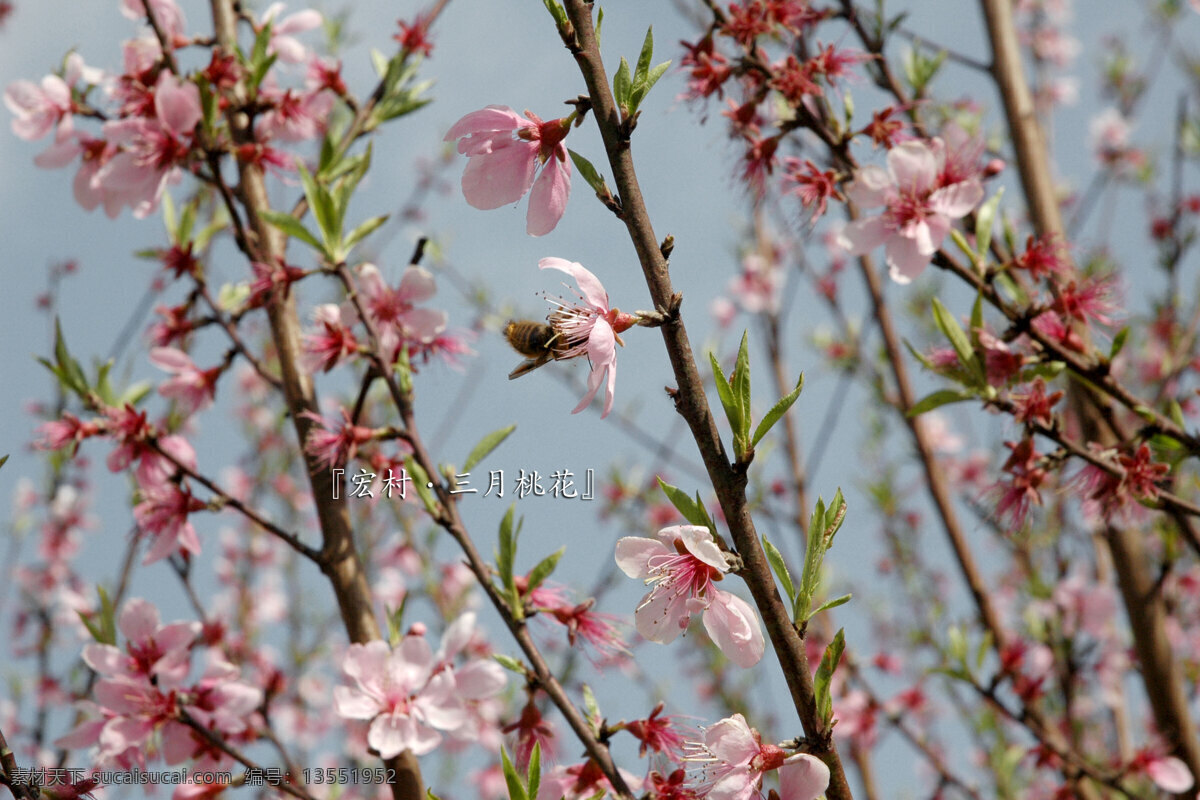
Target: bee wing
{"points": [[527, 366]]}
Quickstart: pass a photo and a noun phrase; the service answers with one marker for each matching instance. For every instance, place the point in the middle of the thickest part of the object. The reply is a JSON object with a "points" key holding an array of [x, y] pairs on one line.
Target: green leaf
{"points": [[691, 510], [556, 11], [592, 707], [545, 568], [777, 411], [984, 218], [725, 392], [486, 445], [508, 552], [361, 232], [3, 459], [643, 63], [937, 399], [775, 559], [814, 553], [509, 663], [950, 328], [741, 388], [533, 775], [322, 207], [516, 789], [824, 676], [293, 228], [1118, 343], [599, 26], [835, 515], [828, 604], [421, 484], [622, 85], [588, 172]]}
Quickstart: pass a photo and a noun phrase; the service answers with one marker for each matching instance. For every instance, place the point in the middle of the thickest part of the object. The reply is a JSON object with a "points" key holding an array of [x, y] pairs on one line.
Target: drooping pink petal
{"points": [[904, 259], [957, 200], [732, 624], [803, 777], [548, 200], [502, 177]]}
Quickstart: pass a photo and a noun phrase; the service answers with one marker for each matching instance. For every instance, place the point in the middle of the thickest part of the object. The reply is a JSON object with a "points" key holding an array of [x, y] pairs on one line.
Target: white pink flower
{"points": [[681, 565], [409, 694], [590, 328], [918, 207], [152, 148], [153, 651], [163, 516], [734, 760], [191, 387], [505, 152]]}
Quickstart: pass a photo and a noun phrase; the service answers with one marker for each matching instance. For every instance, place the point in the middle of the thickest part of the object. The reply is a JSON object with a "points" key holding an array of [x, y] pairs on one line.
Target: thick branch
{"points": [[340, 560], [692, 405]]}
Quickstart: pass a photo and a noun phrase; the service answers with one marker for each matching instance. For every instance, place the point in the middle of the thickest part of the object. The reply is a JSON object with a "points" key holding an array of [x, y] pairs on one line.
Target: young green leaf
{"points": [[508, 550], [545, 568], [622, 85], [509, 663], [984, 218], [516, 787], [647, 53], [937, 399], [725, 393], [835, 515], [1118, 343], [775, 559], [593, 178], [293, 228], [423, 485], [777, 411], [814, 553], [533, 775], [741, 386], [824, 676], [692, 510], [486, 445], [361, 232], [828, 604]]}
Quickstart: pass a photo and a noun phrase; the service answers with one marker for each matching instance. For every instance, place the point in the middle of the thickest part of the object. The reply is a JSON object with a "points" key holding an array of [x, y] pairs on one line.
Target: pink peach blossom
{"points": [[590, 328], [681, 565], [505, 152], [918, 208], [191, 387]]}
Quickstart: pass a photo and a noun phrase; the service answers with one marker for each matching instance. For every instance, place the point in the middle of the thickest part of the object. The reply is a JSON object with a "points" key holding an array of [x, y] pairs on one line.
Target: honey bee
{"points": [[537, 341]]}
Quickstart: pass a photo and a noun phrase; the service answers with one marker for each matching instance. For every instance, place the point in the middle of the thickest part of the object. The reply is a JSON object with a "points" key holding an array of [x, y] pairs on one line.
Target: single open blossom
{"points": [[410, 693], [918, 208], [590, 327], [163, 516], [681, 565], [153, 651], [734, 760], [152, 148], [505, 151], [191, 387]]}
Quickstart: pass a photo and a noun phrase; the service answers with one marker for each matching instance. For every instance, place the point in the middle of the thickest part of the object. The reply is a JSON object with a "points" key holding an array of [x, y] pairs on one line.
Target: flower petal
{"points": [[803, 777], [548, 200], [732, 624], [500, 177], [634, 554], [589, 285]]}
